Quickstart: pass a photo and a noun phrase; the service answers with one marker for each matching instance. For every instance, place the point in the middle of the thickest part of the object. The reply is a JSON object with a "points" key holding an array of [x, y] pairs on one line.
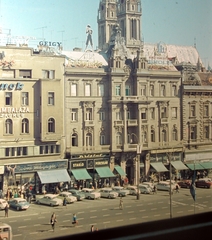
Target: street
{"points": [[104, 213]]}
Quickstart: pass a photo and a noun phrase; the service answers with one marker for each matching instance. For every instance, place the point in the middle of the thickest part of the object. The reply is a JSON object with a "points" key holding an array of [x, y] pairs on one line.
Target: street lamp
{"points": [[170, 183]]}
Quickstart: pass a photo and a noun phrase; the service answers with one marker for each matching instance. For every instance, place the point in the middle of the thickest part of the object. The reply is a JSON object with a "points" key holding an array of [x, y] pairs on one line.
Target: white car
{"points": [[108, 193], [69, 197], [149, 184], [145, 189], [91, 193], [122, 192], [133, 190], [50, 199], [3, 204], [174, 183], [165, 186]]}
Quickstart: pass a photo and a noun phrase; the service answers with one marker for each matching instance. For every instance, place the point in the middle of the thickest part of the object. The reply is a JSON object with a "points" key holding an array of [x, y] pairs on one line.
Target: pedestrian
{"points": [[92, 228], [155, 189], [177, 188], [75, 222], [121, 204], [65, 202], [53, 220], [6, 209]]}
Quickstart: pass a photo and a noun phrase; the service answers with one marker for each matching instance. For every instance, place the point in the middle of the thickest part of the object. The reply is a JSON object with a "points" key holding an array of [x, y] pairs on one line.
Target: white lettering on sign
{"points": [[78, 165], [11, 112], [101, 163]]}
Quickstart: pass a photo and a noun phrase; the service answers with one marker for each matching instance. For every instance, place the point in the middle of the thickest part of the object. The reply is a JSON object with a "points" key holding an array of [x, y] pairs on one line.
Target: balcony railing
{"points": [[89, 123], [118, 123], [132, 122]]}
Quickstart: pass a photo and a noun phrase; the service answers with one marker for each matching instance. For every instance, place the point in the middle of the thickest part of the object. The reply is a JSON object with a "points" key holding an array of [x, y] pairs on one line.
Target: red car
{"points": [[204, 183], [184, 183]]}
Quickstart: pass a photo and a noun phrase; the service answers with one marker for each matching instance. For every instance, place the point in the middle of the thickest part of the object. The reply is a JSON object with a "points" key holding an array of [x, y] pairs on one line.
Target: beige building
{"points": [[31, 114]]}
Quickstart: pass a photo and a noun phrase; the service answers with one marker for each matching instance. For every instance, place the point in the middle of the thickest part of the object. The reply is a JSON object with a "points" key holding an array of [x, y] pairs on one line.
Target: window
{"points": [[143, 137], [101, 90], [102, 139], [19, 151], [8, 98], [118, 138], [73, 89], [192, 111], [8, 73], [127, 90], [143, 90], [162, 90], [57, 148], [50, 98], [50, 74], [25, 126], [174, 135], [88, 114], [25, 74], [74, 115], [151, 92], [87, 89], [174, 90], [7, 152], [143, 113], [46, 149], [206, 132], [163, 135], [118, 90], [52, 147], [193, 132], [8, 126], [174, 112], [74, 140], [118, 116], [206, 110], [88, 139], [51, 125], [152, 136], [101, 116], [25, 98], [128, 115], [152, 113], [24, 151], [163, 112]]}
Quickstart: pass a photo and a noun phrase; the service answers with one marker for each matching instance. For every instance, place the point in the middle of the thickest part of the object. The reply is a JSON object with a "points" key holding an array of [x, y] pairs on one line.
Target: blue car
{"points": [[19, 204]]}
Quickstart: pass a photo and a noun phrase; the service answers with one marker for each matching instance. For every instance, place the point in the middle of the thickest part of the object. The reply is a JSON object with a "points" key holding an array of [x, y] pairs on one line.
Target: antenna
{"points": [[62, 36], [42, 30], [195, 44]]}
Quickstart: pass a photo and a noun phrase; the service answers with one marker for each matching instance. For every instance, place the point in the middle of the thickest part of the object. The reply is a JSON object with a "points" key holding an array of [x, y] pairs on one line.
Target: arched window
{"points": [[74, 140], [8, 126], [51, 125], [102, 139], [174, 135], [152, 136], [25, 126], [164, 136], [89, 139], [144, 137], [118, 138]]}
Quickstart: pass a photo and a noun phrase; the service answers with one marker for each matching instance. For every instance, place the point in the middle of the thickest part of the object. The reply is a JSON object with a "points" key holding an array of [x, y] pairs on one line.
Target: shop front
{"points": [[35, 175]]}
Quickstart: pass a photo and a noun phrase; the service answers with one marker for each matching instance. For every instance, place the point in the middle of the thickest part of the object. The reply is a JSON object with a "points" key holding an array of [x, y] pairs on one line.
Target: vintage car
{"points": [[19, 204], [91, 193], [145, 189], [204, 183], [77, 193], [108, 193], [50, 199], [122, 192], [3, 204], [133, 190], [184, 183], [69, 197]]}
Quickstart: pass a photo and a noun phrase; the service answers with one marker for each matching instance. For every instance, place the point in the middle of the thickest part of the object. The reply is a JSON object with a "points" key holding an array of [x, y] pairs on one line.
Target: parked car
{"points": [[165, 186], [133, 190], [19, 204], [69, 197], [204, 183], [3, 204], [149, 184], [184, 183], [145, 189], [174, 183], [5, 231], [91, 193], [78, 194], [108, 193], [50, 199], [122, 192]]}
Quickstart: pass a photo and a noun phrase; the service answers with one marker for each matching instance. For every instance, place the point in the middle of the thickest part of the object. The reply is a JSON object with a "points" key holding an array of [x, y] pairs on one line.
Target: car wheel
{"points": [[17, 208], [38, 202]]}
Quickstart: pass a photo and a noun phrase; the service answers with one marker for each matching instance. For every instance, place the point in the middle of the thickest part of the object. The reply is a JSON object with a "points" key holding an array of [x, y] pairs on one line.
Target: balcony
{"points": [[131, 98], [132, 122], [164, 120], [89, 123], [118, 123]]}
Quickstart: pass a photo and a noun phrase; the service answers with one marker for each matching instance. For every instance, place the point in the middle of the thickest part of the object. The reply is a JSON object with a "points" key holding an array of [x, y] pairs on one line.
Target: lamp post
{"points": [[139, 150], [170, 183]]}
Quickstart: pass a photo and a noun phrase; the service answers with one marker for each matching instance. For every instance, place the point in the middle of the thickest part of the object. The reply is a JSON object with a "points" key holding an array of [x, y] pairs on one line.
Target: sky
{"points": [[178, 22]]}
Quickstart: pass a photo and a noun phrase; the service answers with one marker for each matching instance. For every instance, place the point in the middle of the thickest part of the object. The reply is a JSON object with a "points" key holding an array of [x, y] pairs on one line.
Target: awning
{"points": [[178, 165], [54, 176], [206, 165], [195, 166], [120, 170], [159, 167], [104, 172], [81, 174]]}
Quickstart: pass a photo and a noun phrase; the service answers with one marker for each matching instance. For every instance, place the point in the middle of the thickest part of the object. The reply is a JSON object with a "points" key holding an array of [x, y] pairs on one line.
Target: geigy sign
{"points": [[11, 86], [53, 44]]}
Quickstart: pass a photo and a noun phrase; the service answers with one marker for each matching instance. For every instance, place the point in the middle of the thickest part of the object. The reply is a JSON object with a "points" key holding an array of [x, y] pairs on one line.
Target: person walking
{"points": [[65, 202], [155, 189], [6, 210], [121, 204], [53, 220], [75, 222], [177, 189], [92, 228]]}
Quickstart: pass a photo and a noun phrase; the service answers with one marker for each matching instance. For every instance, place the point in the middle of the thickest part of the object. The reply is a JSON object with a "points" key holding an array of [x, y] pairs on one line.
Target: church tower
{"points": [[129, 18], [106, 19]]}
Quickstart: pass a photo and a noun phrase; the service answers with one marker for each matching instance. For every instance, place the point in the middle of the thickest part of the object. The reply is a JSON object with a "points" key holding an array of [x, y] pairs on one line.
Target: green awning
{"points": [[159, 167], [81, 174], [195, 166], [54, 176], [120, 170], [104, 172], [178, 165], [206, 165]]}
